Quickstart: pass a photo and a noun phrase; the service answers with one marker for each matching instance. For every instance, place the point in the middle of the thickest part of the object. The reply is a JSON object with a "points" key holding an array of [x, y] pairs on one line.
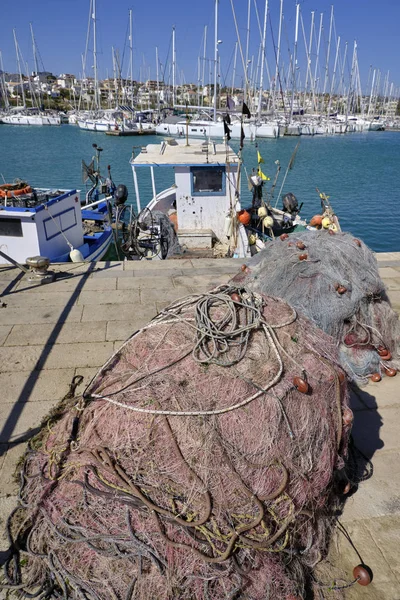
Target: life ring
{"points": [[9, 190]]}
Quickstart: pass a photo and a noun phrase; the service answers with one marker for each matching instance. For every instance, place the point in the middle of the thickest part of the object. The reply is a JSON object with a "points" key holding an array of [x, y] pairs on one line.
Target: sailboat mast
{"points": [[35, 61], [131, 54], [96, 84], [158, 82], [215, 59], [3, 84], [173, 66], [234, 68], [371, 92], [328, 52], [294, 61], [334, 75], [262, 59], [317, 57], [278, 51], [19, 69], [308, 52]]}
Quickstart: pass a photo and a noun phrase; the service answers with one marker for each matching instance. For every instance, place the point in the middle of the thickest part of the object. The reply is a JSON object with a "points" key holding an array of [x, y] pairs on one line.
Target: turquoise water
{"points": [[359, 172]]}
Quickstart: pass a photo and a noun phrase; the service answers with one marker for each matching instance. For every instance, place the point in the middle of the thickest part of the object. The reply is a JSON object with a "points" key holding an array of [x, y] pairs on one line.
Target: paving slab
{"points": [[394, 297], [21, 422], [380, 494], [143, 265], [122, 330], [67, 333], [50, 314], [37, 301], [5, 330], [388, 272], [368, 430], [210, 279], [130, 296], [15, 358], [121, 312], [166, 295], [71, 283], [21, 386], [88, 354], [167, 271], [112, 273]]}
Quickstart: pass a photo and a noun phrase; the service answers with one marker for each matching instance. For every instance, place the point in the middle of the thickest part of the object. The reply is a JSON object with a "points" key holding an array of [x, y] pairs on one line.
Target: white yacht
{"points": [[31, 117]]}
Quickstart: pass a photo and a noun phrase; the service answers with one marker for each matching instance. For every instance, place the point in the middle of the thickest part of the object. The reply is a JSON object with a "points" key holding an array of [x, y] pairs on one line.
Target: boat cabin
{"points": [[203, 200], [48, 223]]}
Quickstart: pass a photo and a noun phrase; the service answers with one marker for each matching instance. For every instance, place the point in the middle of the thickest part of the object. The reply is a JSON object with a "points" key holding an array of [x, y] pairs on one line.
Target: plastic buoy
{"points": [[357, 242], [283, 236], [303, 256], [375, 377], [235, 297], [382, 351], [76, 256], [341, 289], [243, 267], [300, 384], [262, 212], [244, 217], [386, 356], [300, 245], [390, 372], [268, 222], [326, 222], [316, 221], [252, 239], [363, 574]]}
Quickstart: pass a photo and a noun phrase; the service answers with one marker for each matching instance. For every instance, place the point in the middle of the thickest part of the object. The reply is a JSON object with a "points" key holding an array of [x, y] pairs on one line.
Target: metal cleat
{"points": [[38, 270]]}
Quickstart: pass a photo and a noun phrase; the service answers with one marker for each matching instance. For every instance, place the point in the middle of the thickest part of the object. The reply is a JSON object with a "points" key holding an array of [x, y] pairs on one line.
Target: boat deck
{"points": [[51, 333]]}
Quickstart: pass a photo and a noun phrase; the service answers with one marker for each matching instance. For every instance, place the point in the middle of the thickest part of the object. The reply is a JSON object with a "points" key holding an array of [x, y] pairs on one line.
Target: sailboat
{"points": [[23, 115]]}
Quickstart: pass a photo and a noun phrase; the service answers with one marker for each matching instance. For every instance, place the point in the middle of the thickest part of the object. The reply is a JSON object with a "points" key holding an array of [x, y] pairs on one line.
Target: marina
{"points": [[51, 157], [199, 325]]}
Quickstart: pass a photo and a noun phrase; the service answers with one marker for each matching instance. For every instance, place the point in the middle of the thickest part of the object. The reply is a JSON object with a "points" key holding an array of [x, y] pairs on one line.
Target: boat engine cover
{"points": [[290, 203], [121, 194]]}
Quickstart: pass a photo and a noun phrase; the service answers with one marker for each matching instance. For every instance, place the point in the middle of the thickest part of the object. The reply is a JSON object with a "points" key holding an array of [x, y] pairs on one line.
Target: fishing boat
{"points": [[199, 214], [52, 223], [57, 223]]}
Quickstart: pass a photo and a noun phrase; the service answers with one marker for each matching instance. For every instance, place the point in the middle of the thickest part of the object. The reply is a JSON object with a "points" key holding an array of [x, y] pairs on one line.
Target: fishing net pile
{"points": [[201, 463], [334, 281]]}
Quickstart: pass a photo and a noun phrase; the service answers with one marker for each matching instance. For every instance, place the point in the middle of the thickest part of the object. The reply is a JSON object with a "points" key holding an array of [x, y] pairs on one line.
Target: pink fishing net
{"points": [[200, 463]]}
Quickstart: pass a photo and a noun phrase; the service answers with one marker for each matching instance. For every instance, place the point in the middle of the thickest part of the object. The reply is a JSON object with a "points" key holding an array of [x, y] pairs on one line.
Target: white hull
{"points": [[205, 129], [268, 130], [36, 120]]}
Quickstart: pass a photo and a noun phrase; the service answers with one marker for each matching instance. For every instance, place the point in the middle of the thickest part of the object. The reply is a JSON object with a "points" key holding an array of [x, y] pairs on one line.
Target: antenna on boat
{"points": [[187, 125]]}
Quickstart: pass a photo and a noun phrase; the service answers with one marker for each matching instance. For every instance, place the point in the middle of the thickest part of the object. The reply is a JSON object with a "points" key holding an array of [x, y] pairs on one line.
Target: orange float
{"points": [[316, 221], [244, 217]]}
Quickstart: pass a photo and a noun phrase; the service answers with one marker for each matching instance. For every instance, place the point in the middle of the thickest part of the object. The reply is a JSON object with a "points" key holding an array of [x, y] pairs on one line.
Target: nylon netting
{"points": [[201, 463], [334, 281]]}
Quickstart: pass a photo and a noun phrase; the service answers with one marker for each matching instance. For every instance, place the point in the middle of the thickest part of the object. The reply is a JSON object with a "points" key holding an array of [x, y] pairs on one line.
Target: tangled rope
{"points": [[216, 337]]}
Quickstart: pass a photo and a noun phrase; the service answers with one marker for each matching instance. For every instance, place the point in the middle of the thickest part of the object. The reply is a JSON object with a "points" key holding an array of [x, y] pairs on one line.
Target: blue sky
{"points": [[60, 30]]}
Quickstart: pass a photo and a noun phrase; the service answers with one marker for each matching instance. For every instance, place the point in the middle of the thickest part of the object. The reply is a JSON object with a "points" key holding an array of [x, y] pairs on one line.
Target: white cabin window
{"points": [[208, 181], [11, 227]]}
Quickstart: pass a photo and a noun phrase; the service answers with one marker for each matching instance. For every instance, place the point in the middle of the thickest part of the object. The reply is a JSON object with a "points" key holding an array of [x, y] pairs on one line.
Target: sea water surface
{"points": [[359, 172]]}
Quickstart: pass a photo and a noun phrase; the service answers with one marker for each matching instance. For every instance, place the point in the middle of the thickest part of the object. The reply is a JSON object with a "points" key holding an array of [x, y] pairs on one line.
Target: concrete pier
{"points": [[50, 333]]}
